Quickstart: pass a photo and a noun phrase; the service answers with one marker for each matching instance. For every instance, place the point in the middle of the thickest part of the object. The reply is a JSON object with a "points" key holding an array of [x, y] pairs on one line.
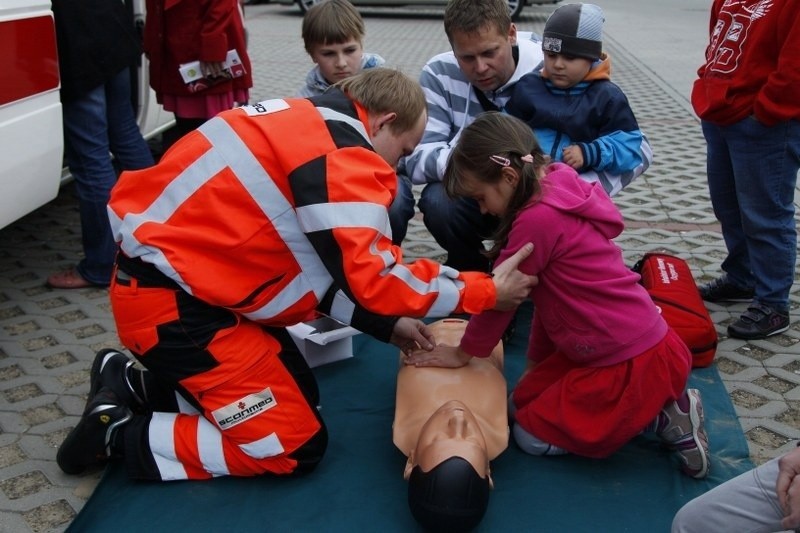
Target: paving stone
{"points": [[24, 485], [11, 455], [48, 516]]}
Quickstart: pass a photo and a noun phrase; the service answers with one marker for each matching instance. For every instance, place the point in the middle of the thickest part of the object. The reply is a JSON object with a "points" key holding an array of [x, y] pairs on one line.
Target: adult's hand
{"points": [[442, 356], [410, 334], [513, 286], [788, 488]]}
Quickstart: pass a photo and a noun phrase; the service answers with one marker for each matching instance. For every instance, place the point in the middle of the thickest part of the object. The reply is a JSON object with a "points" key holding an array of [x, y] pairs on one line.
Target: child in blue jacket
{"points": [[578, 115]]}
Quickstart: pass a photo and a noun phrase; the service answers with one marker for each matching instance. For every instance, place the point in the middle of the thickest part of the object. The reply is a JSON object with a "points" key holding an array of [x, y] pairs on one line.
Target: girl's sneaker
{"points": [[681, 428]]}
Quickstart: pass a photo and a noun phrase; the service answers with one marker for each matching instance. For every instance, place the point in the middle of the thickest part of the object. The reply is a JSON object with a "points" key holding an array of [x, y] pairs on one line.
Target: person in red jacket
{"points": [[747, 99], [264, 215], [180, 32]]}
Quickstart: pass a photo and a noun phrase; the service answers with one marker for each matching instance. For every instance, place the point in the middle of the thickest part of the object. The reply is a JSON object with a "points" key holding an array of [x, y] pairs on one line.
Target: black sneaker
{"points": [[89, 443], [722, 290], [759, 322], [112, 369]]}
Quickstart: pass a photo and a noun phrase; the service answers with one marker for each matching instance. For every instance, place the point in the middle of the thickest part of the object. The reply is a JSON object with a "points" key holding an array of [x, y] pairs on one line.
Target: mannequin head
{"points": [[448, 472], [450, 497], [451, 431]]}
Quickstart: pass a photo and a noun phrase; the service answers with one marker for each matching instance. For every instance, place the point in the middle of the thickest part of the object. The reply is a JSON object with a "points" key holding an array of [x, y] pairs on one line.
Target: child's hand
{"points": [[573, 156], [213, 69], [442, 355]]}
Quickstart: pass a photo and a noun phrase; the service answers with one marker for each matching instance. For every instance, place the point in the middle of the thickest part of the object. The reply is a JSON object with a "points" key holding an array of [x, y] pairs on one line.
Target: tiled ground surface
{"points": [[48, 337]]}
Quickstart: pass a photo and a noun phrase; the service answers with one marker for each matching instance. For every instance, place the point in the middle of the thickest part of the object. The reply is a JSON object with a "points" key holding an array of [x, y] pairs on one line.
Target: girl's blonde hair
{"points": [[494, 141]]}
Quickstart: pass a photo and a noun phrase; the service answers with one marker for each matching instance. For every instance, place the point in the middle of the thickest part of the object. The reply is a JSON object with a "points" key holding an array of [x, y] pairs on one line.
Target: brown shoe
{"points": [[68, 279]]}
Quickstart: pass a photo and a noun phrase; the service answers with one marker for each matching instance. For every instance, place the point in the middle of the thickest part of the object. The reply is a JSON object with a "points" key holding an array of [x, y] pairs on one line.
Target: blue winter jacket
{"points": [[594, 114]]}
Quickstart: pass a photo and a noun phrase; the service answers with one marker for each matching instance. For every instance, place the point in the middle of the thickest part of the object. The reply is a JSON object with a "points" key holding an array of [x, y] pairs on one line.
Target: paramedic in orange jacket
{"points": [[263, 216]]}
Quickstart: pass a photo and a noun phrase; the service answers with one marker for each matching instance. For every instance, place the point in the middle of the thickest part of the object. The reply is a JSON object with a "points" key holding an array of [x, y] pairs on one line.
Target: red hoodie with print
{"points": [[752, 63]]}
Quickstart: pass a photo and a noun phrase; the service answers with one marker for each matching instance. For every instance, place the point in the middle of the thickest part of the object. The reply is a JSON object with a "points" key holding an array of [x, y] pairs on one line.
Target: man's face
{"points": [[392, 146], [485, 56]]}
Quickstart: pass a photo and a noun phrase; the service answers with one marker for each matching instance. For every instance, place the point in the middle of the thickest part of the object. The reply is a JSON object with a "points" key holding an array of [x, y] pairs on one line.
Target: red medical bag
{"points": [[669, 281]]}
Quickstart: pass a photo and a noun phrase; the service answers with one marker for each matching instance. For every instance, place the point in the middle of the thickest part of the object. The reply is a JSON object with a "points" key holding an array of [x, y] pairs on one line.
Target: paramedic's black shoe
{"points": [[722, 290], [759, 322], [114, 370], [90, 442]]}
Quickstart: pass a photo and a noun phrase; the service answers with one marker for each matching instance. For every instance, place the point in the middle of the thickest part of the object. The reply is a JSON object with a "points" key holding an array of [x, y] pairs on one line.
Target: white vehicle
{"points": [[31, 136]]}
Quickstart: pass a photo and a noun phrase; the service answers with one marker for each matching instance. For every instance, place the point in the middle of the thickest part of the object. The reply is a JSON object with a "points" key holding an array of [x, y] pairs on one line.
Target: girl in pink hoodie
{"points": [[603, 365]]}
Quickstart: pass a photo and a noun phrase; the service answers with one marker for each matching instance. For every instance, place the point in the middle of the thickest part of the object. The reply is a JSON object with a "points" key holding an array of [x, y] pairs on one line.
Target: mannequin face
{"points": [[451, 431]]}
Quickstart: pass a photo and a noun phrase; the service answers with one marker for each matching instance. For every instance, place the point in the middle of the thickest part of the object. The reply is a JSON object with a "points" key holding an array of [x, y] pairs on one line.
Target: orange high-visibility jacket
{"points": [[266, 208]]}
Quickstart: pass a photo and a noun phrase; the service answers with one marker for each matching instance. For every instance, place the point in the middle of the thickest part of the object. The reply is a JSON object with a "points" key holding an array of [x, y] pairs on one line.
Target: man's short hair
{"points": [[471, 16], [452, 497], [331, 22], [385, 90]]}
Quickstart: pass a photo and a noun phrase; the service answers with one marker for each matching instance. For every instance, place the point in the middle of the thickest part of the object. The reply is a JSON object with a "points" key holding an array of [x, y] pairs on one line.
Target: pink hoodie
{"points": [[588, 304]]}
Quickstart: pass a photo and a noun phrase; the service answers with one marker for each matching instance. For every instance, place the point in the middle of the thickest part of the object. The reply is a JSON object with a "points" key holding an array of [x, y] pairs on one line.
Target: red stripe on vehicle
{"points": [[28, 58]]}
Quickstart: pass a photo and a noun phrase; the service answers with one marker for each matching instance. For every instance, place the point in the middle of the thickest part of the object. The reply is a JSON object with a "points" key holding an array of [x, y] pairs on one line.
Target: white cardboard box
{"points": [[323, 340]]}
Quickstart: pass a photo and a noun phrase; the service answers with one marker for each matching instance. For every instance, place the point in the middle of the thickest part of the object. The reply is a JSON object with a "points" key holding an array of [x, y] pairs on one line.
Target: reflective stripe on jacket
{"points": [[265, 208]]}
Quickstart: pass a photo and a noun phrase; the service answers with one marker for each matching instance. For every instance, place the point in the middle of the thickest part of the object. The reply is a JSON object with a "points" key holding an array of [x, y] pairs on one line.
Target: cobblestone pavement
{"points": [[48, 337]]}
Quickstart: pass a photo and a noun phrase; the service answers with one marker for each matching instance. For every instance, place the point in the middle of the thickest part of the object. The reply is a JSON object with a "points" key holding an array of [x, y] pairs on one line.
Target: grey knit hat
{"points": [[575, 30]]}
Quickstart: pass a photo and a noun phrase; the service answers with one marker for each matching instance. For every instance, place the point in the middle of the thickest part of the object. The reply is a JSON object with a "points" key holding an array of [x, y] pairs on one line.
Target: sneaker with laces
{"points": [[759, 322], [113, 369], [681, 427], [722, 290], [90, 442]]}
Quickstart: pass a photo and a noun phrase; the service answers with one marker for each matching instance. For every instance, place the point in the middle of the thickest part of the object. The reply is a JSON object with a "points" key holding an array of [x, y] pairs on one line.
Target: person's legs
{"points": [[89, 161], [125, 140], [458, 226], [765, 162], [258, 422], [532, 445], [401, 210], [747, 502], [725, 202], [254, 396]]}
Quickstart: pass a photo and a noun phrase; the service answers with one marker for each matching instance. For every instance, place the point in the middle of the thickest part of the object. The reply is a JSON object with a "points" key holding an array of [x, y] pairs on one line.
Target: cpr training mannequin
{"points": [[450, 434]]}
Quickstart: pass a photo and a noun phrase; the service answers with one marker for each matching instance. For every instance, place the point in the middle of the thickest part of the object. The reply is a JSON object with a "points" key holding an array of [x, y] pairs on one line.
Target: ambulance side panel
{"points": [[31, 137]]}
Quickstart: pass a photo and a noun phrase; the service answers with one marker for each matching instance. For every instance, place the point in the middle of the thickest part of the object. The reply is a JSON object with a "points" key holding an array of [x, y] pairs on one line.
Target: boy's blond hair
{"points": [[471, 16], [331, 22], [384, 90]]}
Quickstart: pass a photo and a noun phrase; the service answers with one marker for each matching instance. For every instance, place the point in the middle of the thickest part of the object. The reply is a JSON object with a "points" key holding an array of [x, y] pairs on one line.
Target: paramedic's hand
{"points": [[410, 334], [788, 488], [573, 156], [512, 285], [442, 355]]}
